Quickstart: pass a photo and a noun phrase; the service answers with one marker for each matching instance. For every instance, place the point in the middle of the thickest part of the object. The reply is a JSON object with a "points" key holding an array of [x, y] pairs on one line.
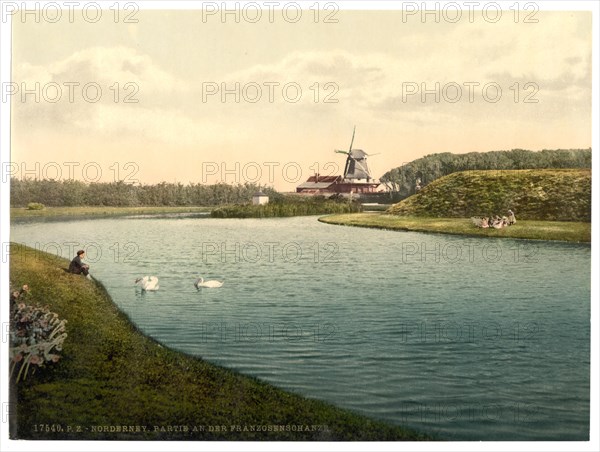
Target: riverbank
{"points": [[567, 231], [111, 376], [58, 213]]}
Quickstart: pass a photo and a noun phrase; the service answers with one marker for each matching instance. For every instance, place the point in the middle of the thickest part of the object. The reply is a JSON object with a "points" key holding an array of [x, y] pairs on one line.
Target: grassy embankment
{"points": [[112, 375], [22, 213], [549, 205], [524, 229]]}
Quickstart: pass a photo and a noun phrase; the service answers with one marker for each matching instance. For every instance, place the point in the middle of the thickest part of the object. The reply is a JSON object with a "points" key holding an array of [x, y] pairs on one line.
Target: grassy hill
{"points": [[402, 180], [540, 194]]}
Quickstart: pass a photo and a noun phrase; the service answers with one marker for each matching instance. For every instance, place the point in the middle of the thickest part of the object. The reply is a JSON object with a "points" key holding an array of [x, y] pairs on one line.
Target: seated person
{"points": [[485, 223], [479, 222], [77, 266], [497, 222], [511, 218]]}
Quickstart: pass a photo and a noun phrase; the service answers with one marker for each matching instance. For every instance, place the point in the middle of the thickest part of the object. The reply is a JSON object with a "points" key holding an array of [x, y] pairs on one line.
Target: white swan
{"points": [[147, 283], [210, 284]]}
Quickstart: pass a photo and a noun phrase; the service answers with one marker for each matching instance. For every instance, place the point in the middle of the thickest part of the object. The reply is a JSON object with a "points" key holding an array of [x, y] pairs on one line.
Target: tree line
{"points": [[401, 181], [405, 180], [59, 193]]}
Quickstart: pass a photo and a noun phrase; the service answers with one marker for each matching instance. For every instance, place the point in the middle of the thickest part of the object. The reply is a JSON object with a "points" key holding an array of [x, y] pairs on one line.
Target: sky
{"points": [[194, 96]]}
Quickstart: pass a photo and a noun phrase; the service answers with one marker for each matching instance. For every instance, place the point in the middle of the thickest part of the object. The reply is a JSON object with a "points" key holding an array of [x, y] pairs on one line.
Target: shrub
{"points": [[35, 206], [36, 334], [287, 208]]}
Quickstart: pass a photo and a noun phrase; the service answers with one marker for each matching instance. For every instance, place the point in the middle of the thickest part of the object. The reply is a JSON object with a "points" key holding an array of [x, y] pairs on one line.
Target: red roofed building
{"points": [[329, 185], [318, 185]]}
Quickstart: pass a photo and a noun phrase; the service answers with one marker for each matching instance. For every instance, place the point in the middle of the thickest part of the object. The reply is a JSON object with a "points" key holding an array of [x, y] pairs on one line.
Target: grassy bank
{"points": [[23, 214], [111, 376], [569, 231], [548, 194]]}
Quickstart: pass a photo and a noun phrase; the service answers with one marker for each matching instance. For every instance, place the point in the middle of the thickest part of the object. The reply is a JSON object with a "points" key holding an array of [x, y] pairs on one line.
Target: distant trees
{"points": [[402, 180], [54, 193]]}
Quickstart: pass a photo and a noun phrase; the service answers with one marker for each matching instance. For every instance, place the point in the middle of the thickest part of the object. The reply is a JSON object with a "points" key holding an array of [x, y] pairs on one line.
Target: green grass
{"points": [[569, 231], [112, 375], [22, 213], [548, 194]]}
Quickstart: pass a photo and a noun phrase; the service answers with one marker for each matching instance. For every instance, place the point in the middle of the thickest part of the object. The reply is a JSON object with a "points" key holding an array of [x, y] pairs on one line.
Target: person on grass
{"points": [[78, 267]]}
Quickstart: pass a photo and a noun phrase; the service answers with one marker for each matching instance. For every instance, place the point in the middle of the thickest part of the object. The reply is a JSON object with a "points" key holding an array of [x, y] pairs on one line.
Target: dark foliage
{"points": [[54, 193]]}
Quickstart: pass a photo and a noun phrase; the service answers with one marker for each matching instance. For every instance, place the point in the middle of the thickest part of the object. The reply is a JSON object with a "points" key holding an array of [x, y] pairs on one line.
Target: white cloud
{"points": [[102, 65], [123, 76]]}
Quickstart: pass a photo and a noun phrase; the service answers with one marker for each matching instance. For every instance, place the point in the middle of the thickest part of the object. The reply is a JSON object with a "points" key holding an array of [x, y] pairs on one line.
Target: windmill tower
{"points": [[356, 163]]}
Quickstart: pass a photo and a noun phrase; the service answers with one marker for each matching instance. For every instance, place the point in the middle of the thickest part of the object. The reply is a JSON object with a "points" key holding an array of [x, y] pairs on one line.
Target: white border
{"points": [[5, 76], [592, 445]]}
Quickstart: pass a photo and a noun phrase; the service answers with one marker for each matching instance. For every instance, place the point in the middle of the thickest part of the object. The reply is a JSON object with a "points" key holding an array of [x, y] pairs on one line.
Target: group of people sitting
{"points": [[494, 221]]}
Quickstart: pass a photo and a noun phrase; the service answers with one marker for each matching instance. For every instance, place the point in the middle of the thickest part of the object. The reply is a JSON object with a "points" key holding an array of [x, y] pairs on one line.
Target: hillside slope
{"points": [[548, 194]]}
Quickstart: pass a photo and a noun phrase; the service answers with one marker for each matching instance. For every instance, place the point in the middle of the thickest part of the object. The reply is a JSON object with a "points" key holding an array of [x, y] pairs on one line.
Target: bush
{"points": [[36, 335], [35, 206], [287, 208]]}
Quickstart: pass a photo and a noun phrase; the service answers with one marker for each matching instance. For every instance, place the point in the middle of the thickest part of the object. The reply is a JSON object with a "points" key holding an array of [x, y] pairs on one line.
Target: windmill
{"points": [[356, 162]]}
